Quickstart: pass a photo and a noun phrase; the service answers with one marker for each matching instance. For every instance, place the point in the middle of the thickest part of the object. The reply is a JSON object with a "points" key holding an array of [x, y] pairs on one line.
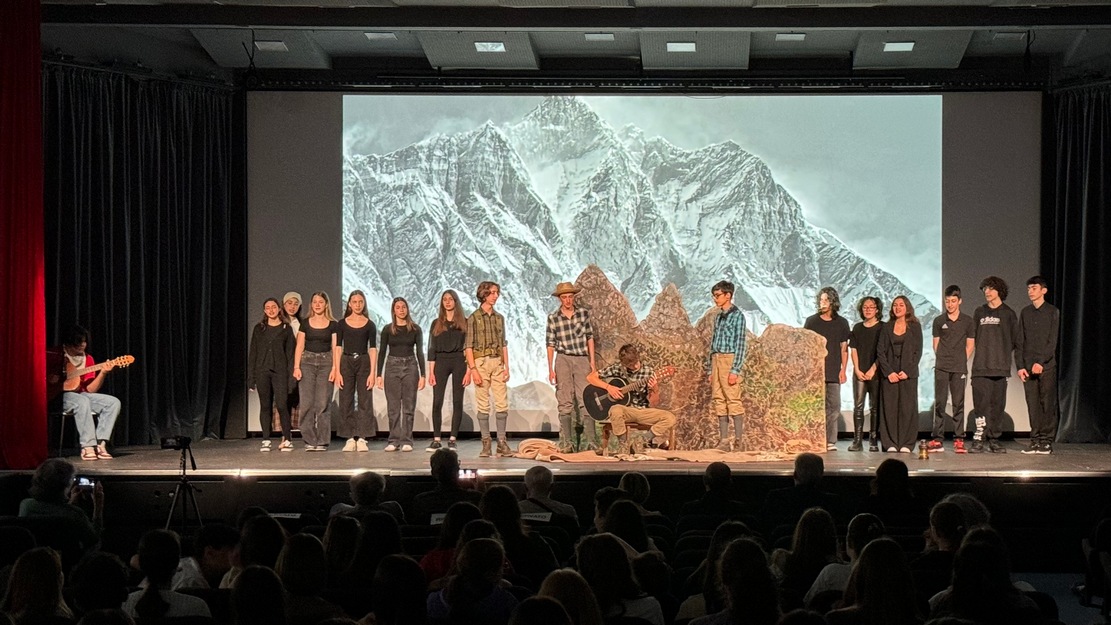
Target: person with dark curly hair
{"points": [[835, 330], [996, 325]]}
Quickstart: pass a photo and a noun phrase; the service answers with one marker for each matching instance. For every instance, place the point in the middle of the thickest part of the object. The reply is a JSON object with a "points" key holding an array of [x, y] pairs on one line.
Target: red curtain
{"points": [[23, 331]]}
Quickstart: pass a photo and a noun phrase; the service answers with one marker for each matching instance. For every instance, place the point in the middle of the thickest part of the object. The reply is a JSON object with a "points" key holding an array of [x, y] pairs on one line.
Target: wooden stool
{"points": [[607, 432]]}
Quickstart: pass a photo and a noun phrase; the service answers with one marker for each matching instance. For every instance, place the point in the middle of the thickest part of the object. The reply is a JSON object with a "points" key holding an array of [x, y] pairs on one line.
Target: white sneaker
{"points": [[285, 446], [360, 445], [904, 450], [406, 448], [265, 445], [390, 447], [892, 450], [349, 445]]}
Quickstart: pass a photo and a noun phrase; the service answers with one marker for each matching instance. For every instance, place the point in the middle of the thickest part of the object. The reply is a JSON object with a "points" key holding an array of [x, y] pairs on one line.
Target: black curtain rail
{"points": [[142, 73]]}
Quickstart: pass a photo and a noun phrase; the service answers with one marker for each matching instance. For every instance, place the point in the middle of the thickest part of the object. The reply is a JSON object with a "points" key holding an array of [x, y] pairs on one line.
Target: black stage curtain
{"points": [[1077, 246], [139, 223]]}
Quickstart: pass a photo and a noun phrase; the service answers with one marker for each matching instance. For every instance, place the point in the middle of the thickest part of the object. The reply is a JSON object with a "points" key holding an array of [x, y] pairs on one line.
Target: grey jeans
{"points": [[833, 410], [316, 392], [400, 382]]}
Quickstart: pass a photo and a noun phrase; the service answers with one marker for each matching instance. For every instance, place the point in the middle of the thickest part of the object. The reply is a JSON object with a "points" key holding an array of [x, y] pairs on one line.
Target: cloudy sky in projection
{"points": [[867, 168]]}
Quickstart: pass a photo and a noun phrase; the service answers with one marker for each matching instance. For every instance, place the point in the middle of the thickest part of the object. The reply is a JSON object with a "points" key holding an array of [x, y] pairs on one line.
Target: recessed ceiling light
{"points": [[271, 46], [381, 36], [681, 46], [598, 36], [790, 36], [898, 46], [1009, 36], [489, 46]]}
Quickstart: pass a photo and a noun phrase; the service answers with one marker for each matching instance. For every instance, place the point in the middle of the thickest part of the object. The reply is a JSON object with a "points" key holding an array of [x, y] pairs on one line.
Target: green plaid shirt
{"points": [[485, 333]]}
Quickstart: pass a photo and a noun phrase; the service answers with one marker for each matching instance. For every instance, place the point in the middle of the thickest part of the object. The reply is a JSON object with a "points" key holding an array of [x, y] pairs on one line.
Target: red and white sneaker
{"points": [[935, 446], [958, 446]]}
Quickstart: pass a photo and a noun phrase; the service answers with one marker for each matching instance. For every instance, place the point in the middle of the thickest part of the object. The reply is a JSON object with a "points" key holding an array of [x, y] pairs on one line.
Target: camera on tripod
{"points": [[179, 443]]}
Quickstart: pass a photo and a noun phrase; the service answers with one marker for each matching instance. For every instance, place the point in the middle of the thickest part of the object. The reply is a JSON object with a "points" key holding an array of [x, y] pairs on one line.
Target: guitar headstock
{"points": [[664, 372], [122, 361]]}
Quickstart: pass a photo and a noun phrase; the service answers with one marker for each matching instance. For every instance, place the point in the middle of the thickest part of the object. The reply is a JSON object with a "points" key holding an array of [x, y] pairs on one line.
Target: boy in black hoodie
{"points": [[996, 326], [1035, 357]]}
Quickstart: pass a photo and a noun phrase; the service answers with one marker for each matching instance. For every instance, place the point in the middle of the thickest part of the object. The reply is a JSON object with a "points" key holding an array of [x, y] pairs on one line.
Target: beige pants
{"points": [[726, 399], [661, 421], [493, 381]]}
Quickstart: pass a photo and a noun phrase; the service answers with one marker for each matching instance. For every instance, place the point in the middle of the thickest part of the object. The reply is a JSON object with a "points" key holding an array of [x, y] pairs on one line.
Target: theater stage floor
{"points": [[242, 458]]}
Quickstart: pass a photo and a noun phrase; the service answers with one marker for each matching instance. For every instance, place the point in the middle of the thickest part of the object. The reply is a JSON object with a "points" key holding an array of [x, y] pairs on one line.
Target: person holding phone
{"points": [[54, 494]]}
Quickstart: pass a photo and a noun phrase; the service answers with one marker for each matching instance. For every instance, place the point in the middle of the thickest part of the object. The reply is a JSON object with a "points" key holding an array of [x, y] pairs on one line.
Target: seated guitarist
{"points": [[85, 401], [630, 369]]}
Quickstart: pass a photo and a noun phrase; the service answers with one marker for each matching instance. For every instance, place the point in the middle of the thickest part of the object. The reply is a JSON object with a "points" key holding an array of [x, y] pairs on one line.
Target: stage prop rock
{"points": [[782, 375]]}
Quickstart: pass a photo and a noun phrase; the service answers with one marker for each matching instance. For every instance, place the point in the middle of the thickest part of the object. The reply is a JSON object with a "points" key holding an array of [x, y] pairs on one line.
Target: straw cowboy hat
{"points": [[565, 287]]}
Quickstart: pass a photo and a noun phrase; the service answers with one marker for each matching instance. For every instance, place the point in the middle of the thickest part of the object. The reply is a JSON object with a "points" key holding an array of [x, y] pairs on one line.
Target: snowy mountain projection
{"points": [[531, 199]]}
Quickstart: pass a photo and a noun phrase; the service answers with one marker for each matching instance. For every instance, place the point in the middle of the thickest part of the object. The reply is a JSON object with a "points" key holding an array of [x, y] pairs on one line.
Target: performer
{"points": [[898, 354], [445, 354], [358, 354], [835, 330], [270, 370], [640, 411], [488, 361], [401, 373], [316, 367], [1036, 355], [996, 326], [571, 335], [87, 401], [292, 305], [954, 341], [866, 384], [724, 363]]}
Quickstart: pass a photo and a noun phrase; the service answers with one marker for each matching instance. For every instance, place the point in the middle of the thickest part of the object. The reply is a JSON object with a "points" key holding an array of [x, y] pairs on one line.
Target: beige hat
{"points": [[565, 287], [292, 295]]}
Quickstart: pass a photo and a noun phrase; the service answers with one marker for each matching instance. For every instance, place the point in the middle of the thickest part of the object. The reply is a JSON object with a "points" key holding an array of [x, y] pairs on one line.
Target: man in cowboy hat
{"points": [[571, 335]]}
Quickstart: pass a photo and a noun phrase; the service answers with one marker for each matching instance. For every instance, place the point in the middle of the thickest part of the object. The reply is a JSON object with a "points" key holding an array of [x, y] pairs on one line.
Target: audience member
{"points": [[710, 600], [213, 547], [303, 569], [341, 540], [638, 489], [751, 596], [474, 594], [570, 589], [104, 617], [366, 491], [604, 498], [247, 514], [159, 552], [716, 501], [399, 593], [863, 529], [625, 521], [381, 537], [652, 573], [261, 539], [445, 468], [257, 597], [974, 511], [880, 590], [604, 564], [53, 495], [891, 498], [813, 547], [538, 489], [802, 616], [34, 595], [784, 506], [98, 582], [982, 590], [530, 556], [438, 561], [539, 611], [933, 569]]}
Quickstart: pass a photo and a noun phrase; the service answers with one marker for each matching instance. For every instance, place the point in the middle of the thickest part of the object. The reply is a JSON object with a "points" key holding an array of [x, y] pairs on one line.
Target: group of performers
{"points": [[299, 360]]}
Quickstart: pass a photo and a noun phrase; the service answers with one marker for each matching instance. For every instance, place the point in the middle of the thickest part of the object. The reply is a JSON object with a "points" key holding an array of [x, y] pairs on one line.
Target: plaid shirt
{"points": [[638, 398], [569, 336], [729, 338], [485, 333]]}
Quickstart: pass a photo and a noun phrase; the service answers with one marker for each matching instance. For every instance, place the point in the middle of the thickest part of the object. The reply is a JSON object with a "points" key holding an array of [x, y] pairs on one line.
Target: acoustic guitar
{"points": [[598, 402], [71, 379]]}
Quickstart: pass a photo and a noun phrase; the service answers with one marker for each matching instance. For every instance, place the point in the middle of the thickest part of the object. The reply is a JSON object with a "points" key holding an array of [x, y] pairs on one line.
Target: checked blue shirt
{"points": [[729, 338]]}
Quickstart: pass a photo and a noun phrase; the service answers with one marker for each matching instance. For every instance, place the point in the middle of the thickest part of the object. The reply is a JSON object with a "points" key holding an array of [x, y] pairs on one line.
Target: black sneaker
{"points": [[451, 445], [977, 447], [996, 447], [433, 446], [1033, 448], [1045, 449]]}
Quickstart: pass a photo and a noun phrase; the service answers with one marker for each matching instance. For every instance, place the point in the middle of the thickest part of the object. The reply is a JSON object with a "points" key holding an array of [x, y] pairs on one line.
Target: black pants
{"points": [[356, 419], [900, 413], [989, 398], [456, 367], [1041, 402], [273, 391], [946, 384], [869, 389]]}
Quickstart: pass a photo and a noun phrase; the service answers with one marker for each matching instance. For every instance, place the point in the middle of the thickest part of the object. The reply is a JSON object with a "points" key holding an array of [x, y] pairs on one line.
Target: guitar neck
{"points": [[83, 370]]}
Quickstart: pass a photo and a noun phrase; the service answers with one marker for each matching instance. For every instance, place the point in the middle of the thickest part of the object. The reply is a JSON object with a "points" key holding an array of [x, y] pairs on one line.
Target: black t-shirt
{"points": [[356, 340], [995, 341], [318, 339], [864, 340], [951, 335], [835, 331]]}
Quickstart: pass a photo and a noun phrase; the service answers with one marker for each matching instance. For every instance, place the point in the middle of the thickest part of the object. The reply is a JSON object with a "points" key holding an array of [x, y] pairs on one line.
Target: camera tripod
{"points": [[184, 490]]}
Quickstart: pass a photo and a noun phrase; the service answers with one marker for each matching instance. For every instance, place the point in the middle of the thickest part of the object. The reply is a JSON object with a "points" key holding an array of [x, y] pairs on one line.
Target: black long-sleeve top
{"points": [[404, 344], [271, 350], [907, 361], [451, 342], [995, 341], [1036, 339]]}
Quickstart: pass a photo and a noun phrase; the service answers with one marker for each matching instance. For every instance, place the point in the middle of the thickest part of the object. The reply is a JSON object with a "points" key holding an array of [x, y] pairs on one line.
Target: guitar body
{"points": [[72, 381], [598, 402]]}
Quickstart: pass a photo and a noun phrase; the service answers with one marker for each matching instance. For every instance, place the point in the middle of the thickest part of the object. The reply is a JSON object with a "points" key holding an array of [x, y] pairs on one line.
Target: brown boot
{"points": [[503, 448], [485, 453]]}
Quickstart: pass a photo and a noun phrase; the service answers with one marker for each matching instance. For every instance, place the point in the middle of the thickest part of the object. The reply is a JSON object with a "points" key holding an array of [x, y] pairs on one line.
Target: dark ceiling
{"points": [[619, 44]]}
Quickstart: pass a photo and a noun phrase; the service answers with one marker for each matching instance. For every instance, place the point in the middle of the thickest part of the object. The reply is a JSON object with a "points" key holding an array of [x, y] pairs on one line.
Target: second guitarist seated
{"points": [[643, 396]]}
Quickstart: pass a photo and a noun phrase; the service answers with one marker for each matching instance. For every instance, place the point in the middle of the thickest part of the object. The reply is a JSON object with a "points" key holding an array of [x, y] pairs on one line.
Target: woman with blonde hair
{"points": [[316, 367], [570, 589], [35, 589]]}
